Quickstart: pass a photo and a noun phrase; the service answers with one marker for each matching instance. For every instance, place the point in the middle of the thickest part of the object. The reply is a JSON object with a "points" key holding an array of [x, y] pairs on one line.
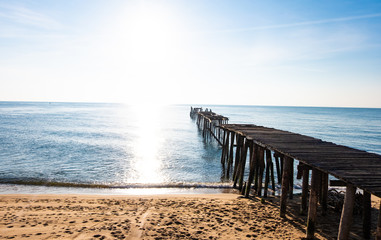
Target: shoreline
{"points": [[163, 216], [41, 189]]}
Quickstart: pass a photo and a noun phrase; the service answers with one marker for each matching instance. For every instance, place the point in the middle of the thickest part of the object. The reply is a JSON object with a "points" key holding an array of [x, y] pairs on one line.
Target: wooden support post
{"points": [[237, 158], [207, 129], [261, 168], [324, 193], [219, 130], [281, 166], [272, 173], [256, 170], [291, 196], [238, 169], [204, 128], [242, 191], [227, 144], [254, 151], [347, 212], [312, 208], [300, 168], [267, 176], [366, 215], [278, 170], [285, 185], [223, 155], [243, 164], [378, 231], [304, 206], [231, 155]]}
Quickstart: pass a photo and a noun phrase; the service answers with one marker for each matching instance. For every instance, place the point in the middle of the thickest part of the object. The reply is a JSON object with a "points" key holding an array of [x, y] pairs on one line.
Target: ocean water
{"points": [[118, 146]]}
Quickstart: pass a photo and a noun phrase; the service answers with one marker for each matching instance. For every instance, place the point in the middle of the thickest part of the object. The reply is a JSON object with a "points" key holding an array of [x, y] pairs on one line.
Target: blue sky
{"points": [[298, 53]]}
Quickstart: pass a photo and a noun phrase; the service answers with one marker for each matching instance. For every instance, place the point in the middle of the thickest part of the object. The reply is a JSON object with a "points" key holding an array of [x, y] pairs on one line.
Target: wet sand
{"points": [[208, 216]]}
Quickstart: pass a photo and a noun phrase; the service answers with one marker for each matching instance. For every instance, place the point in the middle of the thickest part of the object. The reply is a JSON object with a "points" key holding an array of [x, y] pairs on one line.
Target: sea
{"points": [[105, 148]]}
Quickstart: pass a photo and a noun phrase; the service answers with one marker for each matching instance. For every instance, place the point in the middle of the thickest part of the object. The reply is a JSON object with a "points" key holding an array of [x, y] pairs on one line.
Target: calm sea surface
{"points": [[128, 146]]}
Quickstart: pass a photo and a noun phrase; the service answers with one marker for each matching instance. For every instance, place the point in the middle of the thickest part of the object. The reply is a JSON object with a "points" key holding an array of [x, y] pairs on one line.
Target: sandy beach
{"points": [[208, 216]]}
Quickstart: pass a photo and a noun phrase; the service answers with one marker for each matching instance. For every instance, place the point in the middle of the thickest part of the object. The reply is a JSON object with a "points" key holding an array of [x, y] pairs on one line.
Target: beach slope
{"points": [[209, 216]]}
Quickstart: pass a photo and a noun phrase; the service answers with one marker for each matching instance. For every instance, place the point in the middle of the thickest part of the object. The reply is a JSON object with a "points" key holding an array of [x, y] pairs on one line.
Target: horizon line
{"points": [[188, 104]]}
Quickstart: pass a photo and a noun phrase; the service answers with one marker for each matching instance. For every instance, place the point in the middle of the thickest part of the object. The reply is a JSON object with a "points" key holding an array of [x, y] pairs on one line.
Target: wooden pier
{"points": [[209, 122], [194, 111], [266, 150]]}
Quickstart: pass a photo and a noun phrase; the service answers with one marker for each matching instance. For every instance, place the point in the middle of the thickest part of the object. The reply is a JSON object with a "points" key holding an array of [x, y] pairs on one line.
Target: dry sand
{"points": [[209, 216]]}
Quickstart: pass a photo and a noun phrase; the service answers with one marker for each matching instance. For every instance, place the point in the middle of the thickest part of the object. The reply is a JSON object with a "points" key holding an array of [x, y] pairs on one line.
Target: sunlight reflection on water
{"points": [[146, 164]]}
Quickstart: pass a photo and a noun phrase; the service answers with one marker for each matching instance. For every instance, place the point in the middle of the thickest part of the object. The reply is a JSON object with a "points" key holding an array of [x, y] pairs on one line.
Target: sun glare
{"points": [[147, 161], [150, 34], [150, 37], [149, 46]]}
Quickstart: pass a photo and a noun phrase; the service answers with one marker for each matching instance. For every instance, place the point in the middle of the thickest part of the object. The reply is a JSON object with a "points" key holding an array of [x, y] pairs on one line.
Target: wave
{"points": [[40, 182]]}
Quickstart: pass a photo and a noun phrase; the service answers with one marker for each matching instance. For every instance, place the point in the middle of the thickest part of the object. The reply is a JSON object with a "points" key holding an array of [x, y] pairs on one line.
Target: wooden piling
{"points": [[347, 212], [261, 168], [223, 154], [243, 164], [219, 130], [304, 205], [291, 195], [281, 166], [312, 208], [237, 158], [254, 151], [378, 231], [256, 169], [269, 166], [285, 185], [278, 169], [239, 168], [226, 148], [324, 193], [231, 155], [366, 215], [272, 173]]}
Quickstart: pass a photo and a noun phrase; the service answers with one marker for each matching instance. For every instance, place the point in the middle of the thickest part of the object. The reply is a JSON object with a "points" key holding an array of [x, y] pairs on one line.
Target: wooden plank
{"points": [[337, 183]]}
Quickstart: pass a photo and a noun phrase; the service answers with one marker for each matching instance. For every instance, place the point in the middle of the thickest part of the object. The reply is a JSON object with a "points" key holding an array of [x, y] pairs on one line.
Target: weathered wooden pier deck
{"points": [[266, 146]]}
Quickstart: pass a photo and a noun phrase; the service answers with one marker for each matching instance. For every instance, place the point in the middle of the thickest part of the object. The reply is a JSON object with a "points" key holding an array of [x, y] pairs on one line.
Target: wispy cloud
{"points": [[299, 24], [21, 15]]}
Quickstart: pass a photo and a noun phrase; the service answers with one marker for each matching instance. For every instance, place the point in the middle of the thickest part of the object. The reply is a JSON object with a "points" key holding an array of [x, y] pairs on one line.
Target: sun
{"points": [[148, 44]]}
